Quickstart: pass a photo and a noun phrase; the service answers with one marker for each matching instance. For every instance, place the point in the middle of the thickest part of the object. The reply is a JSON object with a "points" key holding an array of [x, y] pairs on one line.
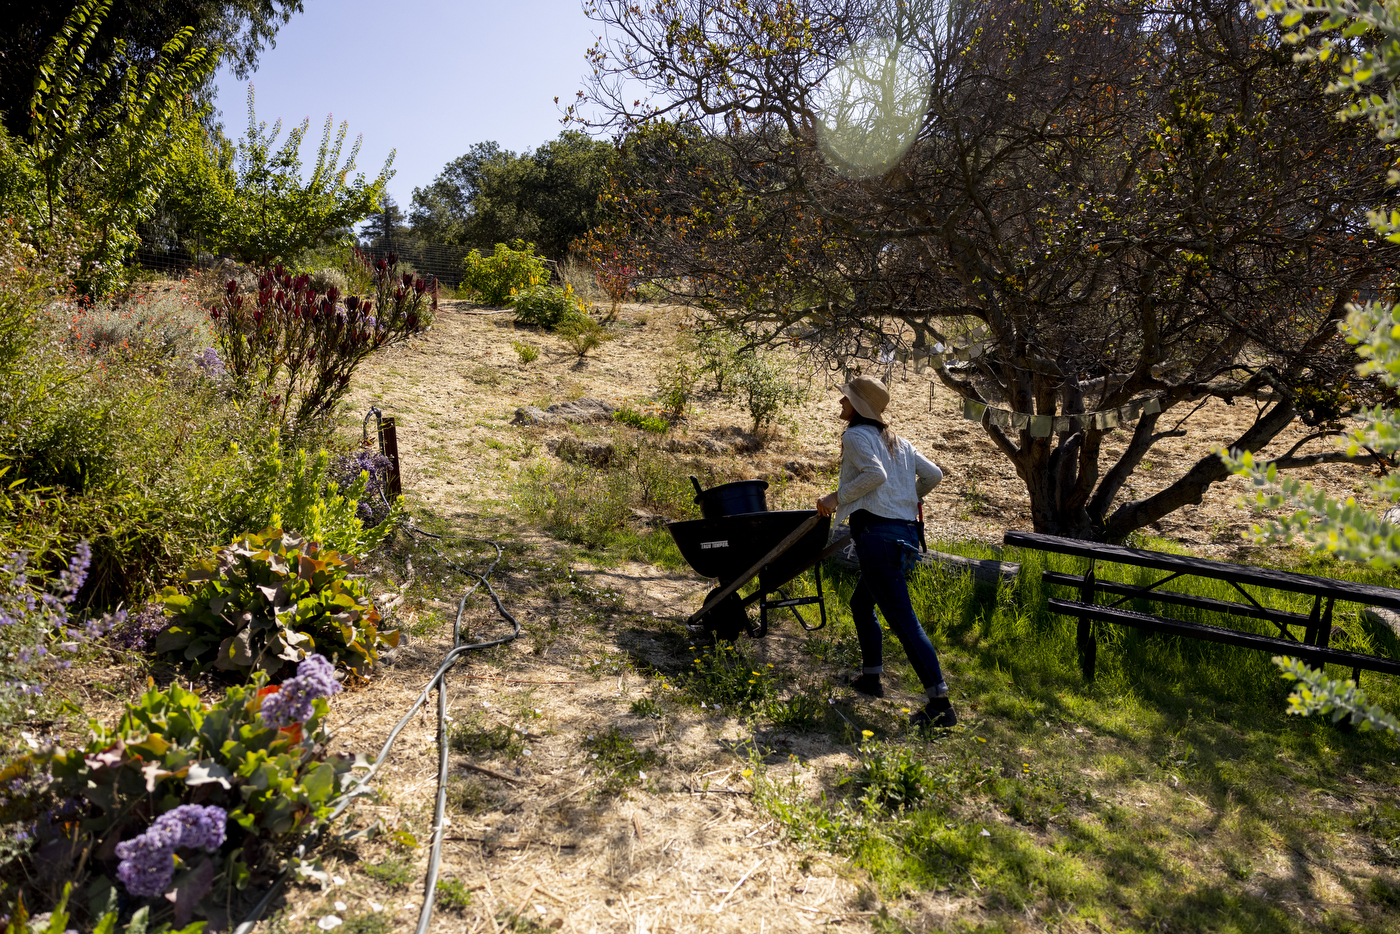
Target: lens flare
{"points": [[872, 106]]}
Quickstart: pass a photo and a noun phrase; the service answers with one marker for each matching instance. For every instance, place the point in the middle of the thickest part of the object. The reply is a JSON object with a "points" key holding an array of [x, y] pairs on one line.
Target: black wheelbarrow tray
{"points": [[774, 547]]}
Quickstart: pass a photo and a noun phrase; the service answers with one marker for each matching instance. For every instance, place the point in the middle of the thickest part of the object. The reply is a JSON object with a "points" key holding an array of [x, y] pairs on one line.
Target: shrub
{"points": [[217, 782], [150, 326], [364, 476], [510, 268], [528, 353], [305, 496], [653, 423], [762, 383], [327, 278], [36, 633], [723, 675], [715, 355], [292, 350], [547, 306], [675, 383], [270, 599], [583, 334]]}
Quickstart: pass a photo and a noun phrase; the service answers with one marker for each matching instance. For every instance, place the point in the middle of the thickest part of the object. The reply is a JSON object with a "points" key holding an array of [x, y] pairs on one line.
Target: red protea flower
{"points": [[352, 303], [368, 307], [332, 293], [393, 258], [231, 286]]}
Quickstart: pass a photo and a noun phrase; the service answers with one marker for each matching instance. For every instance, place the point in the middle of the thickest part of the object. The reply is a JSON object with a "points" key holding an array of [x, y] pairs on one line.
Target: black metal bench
{"points": [[1315, 626]]}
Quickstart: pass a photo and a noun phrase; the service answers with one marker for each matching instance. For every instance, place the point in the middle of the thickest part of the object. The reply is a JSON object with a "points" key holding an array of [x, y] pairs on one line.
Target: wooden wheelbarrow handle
{"points": [[751, 573]]}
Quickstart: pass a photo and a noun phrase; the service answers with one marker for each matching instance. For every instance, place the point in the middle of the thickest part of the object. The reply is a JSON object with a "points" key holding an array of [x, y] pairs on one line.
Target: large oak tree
{"points": [[1113, 203]]}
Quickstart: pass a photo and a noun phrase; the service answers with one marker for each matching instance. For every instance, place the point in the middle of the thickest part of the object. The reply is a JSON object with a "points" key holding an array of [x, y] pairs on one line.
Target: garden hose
{"points": [[438, 681]]}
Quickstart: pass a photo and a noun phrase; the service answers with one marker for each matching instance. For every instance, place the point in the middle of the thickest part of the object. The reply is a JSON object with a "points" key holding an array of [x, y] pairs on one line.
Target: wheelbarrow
{"points": [[774, 547]]}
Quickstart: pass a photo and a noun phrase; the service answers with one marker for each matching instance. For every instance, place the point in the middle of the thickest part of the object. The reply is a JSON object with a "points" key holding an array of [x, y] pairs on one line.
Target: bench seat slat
{"points": [[1249, 640], [1180, 599], [1202, 567]]}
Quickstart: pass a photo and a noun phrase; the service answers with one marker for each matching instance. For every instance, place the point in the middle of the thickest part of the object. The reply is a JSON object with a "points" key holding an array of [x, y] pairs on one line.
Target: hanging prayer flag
{"points": [[1001, 418], [1020, 421], [1152, 406], [1063, 425], [1040, 426], [973, 410]]}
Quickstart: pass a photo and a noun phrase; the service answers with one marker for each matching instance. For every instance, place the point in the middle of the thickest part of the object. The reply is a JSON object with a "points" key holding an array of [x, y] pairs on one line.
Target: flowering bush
{"points": [[372, 506], [184, 794], [270, 599], [509, 269], [294, 349], [36, 632], [306, 495]]}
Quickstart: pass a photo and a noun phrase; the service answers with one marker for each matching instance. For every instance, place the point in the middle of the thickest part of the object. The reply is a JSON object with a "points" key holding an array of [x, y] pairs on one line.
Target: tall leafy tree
{"points": [[548, 196], [133, 33], [1103, 205], [441, 211], [96, 155], [250, 198]]}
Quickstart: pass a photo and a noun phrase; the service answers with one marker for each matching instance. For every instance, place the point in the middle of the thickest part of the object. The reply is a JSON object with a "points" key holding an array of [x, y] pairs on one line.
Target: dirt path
{"points": [[541, 834]]}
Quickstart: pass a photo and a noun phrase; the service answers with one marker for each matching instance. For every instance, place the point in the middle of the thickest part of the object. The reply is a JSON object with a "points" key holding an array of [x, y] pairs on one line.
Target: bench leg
{"points": [[1088, 646]]}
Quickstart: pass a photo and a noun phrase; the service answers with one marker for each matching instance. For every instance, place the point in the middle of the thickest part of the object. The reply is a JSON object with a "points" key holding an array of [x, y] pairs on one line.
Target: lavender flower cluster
{"points": [[148, 861], [315, 678], [34, 620], [138, 632], [374, 505], [208, 364]]}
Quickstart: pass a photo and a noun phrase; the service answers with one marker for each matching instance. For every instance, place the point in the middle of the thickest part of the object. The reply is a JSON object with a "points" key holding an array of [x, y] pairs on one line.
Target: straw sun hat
{"points": [[868, 396]]}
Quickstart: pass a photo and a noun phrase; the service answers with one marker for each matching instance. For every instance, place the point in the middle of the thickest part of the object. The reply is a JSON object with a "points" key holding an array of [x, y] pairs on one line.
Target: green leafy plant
{"points": [[762, 383], [250, 199], [547, 306], [676, 384], [273, 782], [268, 600], [714, 352], [617, 756], [298, 494], [528, 353], [394, 872], [652, 423], [88, 173], [583, 334], [293, 350], [721, 675], [888, 777], [509, 269], [453, 895]]}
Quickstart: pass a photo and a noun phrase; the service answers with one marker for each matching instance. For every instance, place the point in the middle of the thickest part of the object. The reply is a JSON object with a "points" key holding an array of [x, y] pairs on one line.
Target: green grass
{"points": [[394, 872], [1173, 793]]}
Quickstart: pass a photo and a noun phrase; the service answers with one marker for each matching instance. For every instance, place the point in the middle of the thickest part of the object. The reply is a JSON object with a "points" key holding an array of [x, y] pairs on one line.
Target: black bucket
{"points": [[731, 499]]}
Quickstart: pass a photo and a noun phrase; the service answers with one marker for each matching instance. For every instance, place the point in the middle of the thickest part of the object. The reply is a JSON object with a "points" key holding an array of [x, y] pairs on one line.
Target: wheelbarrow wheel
{"points": [[727, 620]]}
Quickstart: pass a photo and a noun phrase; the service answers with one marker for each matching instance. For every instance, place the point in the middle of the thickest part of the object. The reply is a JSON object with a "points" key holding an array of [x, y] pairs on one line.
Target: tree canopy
{"points": [[1081, 213], [548, 196], [249, 198], [133, 31]]}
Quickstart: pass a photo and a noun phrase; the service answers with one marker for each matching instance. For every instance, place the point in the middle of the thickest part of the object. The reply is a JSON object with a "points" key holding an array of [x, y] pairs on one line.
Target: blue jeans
{"points": [[887, 552]]}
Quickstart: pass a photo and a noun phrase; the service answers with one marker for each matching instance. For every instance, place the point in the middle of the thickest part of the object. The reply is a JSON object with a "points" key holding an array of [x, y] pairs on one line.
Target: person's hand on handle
{"points": [[826, 505]]}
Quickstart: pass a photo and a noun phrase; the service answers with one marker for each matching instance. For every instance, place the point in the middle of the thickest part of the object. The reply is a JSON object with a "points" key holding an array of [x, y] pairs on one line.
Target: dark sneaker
{"points": [[937, 713], [867, 684]]}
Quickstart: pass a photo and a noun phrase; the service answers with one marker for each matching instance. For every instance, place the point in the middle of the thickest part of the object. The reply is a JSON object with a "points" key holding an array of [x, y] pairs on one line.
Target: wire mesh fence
{"points": [[441, 260]]}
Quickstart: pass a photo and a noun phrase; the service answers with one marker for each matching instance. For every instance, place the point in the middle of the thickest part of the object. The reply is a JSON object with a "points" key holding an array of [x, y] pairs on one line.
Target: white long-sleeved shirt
{"points": [[884, 484]]}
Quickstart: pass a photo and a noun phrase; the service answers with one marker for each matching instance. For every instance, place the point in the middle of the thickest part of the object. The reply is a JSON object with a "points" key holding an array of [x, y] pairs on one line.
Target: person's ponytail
{"points": [[887, 434]]}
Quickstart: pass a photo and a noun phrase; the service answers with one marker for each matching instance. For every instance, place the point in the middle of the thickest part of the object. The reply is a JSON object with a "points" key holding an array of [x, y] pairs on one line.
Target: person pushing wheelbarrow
{"points": [[883, 480]]}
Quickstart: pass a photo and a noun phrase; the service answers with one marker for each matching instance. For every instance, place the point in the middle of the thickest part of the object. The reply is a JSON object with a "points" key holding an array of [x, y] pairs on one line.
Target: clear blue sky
{"points": [[426, 77]]}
